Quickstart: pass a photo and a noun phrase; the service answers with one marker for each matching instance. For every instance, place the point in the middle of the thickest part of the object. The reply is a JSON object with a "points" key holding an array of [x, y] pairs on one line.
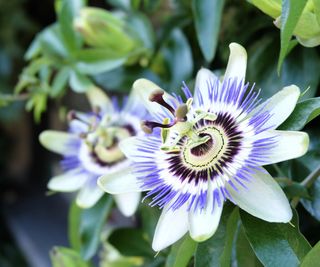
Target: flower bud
{"points": [[101, 29], [307, 30]]}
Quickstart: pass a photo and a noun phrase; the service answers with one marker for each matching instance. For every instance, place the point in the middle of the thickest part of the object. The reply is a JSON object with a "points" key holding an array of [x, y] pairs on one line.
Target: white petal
{"points": [[172, 225], [290, 145], [89, 195], [98, 98], [204, 223], [130, 147], [144, 88], [263, 198], [205, 78], [134, 103], [68, 182], [128, 202], [119, 182], [280, 105], [237, 63], [57, 141]]}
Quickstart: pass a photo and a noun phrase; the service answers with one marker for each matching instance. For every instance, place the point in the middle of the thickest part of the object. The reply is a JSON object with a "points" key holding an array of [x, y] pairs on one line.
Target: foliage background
{"points": [[47, 63]]}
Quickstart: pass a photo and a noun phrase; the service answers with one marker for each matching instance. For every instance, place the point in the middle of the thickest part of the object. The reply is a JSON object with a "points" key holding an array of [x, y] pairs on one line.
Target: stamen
{"points": [[72, 115], [147, 126], [157, 96], [181, 112]]}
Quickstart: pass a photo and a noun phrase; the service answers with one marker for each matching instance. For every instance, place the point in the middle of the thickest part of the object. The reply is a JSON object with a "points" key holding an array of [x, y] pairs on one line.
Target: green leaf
{"points": [[217, 250], [79, 82], [302, 62], [181, 252], [51, 42], [149, 219], [85, 226], [290, 14], [142, 29], [207, 17], [92, 55], [313, 206], [303, 113], [136, 245], [69, 10], [275, 244], [312, 258], [94, 68], [245, 256], [59, 82], [34, 49], [66, 257], [121, 79], [296, 190], [37, 102], [178, 58]]}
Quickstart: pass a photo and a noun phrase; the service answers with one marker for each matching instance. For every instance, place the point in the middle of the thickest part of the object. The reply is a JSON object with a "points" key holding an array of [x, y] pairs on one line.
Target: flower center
{"points": [[208, 152], [102, 137]]}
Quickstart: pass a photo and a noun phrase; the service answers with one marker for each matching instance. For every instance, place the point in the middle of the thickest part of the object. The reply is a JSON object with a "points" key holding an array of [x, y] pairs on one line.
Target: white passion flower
{"points": [[209, 149], [90, 150]]}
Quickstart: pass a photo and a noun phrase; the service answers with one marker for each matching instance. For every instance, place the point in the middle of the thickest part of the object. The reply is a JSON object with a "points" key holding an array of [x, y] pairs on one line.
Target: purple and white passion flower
{"points": [[211, 148], [91, 149]]}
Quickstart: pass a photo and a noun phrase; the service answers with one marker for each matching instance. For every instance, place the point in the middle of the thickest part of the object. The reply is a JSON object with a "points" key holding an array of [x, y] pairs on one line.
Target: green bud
{"points": [[307, 30], [269, 7], [102, 29]]}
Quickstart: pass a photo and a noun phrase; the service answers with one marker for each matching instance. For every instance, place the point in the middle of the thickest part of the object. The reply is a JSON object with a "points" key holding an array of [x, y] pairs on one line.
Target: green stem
{"points": [[278, 170], [307, 182], [12, 98]]}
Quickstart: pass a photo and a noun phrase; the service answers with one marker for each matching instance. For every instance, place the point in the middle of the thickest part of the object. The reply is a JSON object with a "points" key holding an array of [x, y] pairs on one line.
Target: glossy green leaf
{"points": [[181, 252], [51, 42], [121, 79], [207, 17], [178, 59], [303, 113], [313, 205], [301, 62], [59, 82], [66, 257], [245, 256], [275, 244], [312, 258], [85, 226], [142, 29], [124, 4], [79, 82], [94, 68], [296, 190], [69, 10], [217, 250], [290, 14], [149, 219], [131, 242], [34, 48]]}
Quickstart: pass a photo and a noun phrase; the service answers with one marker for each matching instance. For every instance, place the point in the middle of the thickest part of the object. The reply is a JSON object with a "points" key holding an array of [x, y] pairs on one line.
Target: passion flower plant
{"points": [[209, 148], [91, 148]]}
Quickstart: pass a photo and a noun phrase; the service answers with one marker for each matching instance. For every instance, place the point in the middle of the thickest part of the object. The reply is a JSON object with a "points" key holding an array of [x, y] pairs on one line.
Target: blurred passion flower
{"points": [[307, 30], [209, 149], [90, 150]]}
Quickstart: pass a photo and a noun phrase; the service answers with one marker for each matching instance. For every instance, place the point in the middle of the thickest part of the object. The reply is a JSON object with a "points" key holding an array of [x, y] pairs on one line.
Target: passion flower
{"points": [[91, 149], [210, 148]]}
